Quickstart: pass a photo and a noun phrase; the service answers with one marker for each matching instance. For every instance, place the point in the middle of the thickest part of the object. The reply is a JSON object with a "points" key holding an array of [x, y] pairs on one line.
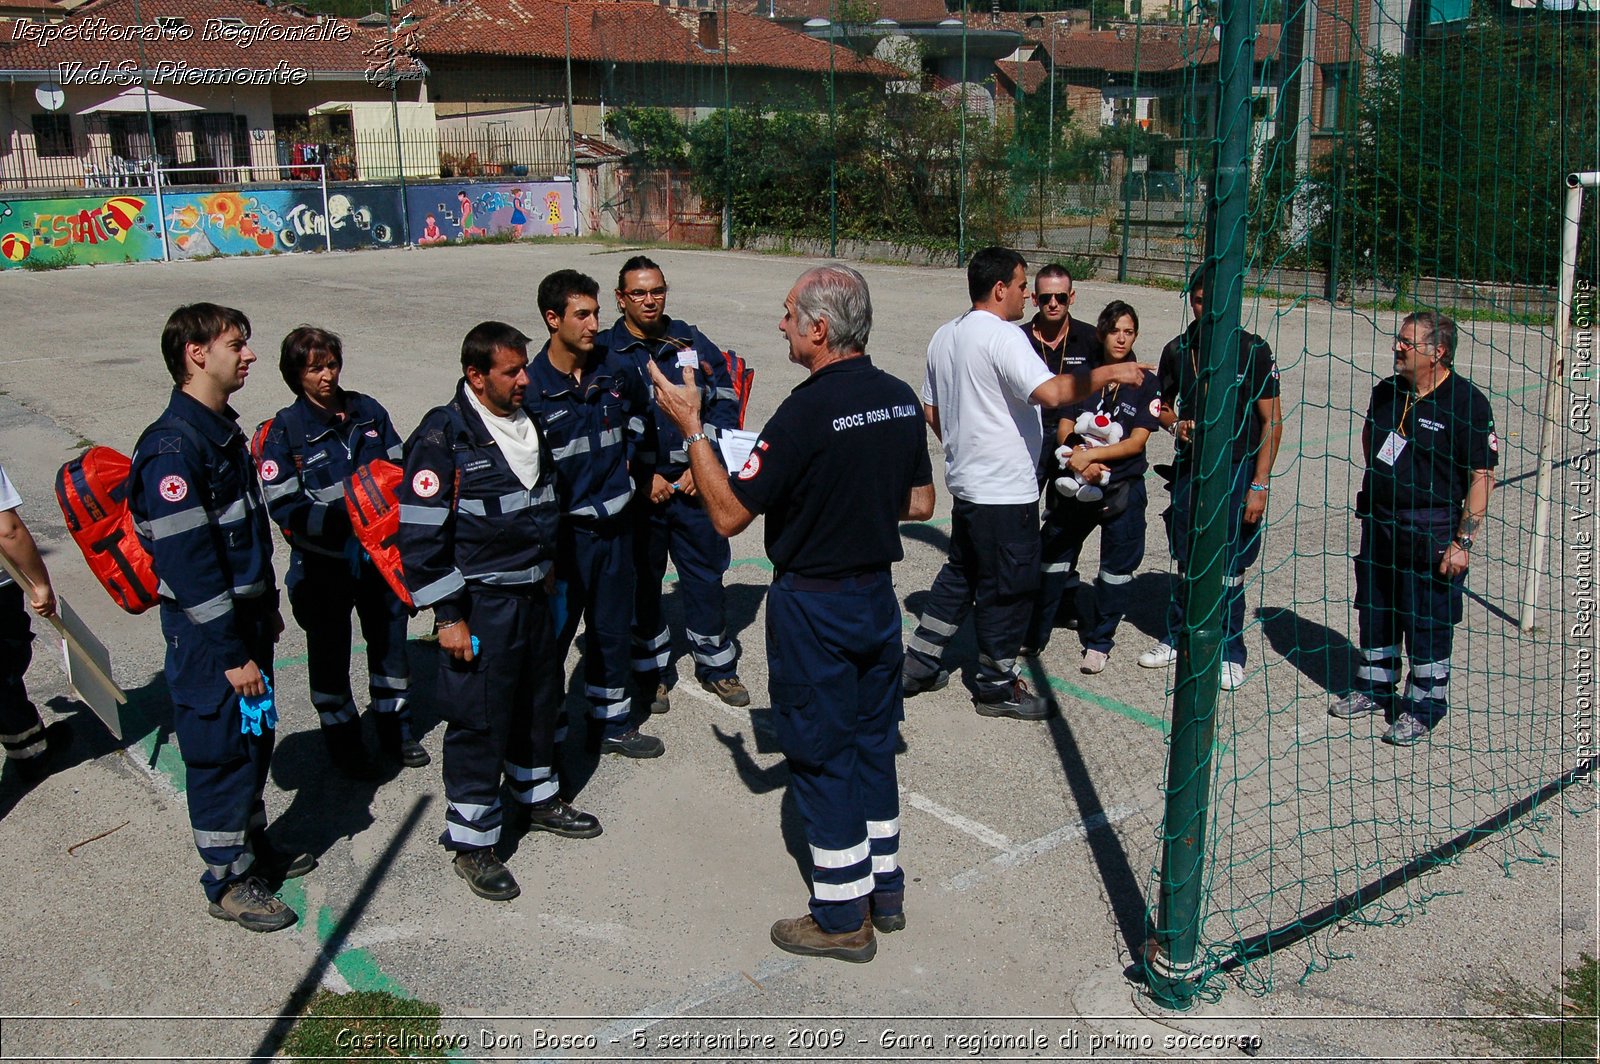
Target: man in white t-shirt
{"points": [[981, 396], [22, 732]]}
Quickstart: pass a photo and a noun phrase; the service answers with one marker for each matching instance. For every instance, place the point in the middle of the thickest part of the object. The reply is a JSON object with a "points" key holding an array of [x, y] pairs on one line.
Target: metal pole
{"points": [[1127, 154], [327, 237], [961, 192], [161, 210], [833, 139], [399, 143], [1172, 967], [572, 128], [727, 136], [1576, 183]]}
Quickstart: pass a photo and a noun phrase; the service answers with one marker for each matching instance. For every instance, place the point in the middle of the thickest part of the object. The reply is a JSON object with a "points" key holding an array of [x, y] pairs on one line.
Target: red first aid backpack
{"points": [[93, 493], [374, 508]]}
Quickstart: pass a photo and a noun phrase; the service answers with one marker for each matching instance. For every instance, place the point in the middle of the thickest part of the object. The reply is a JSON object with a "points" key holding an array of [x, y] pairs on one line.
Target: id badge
{"points": [[688, 359], [1391, 448]]}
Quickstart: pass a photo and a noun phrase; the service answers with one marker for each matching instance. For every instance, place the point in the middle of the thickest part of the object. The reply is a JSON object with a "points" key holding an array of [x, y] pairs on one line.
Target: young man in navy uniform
{"points": [[1430, 450], [478, 523], [1256, 431], [594, 413], [671, 517], [308, 451], [833, 622], [198, 511]]}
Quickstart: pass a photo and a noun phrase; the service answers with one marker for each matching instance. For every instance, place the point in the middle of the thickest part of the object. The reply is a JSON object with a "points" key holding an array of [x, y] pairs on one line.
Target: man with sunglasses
{"points": [[1430, 450], [1066, 345], [673, 519]]}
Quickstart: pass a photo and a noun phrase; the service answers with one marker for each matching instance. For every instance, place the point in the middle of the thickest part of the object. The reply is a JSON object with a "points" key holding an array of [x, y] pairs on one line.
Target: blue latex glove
{"points": [[256, 711], [474, 646], [558, 607]]}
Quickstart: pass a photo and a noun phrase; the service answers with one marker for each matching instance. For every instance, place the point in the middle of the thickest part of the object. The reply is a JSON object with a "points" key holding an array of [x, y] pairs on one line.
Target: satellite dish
{"points": [[50, 96]]}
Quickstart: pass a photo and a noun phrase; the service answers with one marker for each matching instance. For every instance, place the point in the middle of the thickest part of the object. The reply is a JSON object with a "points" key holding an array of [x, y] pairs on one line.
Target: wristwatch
{"points": [[1464, 542], [690, 441]]}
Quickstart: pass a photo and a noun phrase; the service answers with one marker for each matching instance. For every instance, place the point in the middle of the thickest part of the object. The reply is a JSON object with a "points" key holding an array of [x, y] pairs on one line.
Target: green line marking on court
{"points": [[1121, 709]]}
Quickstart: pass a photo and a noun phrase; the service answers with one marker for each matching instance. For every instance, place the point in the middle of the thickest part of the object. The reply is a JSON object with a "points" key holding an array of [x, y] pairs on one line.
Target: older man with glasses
{"points": [[1430, 450]]}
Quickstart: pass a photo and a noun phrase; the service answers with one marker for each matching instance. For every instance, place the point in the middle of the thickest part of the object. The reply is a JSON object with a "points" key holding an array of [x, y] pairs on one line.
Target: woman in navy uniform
{"points": [[1430, 450], [1119, 514], [307, 452]]}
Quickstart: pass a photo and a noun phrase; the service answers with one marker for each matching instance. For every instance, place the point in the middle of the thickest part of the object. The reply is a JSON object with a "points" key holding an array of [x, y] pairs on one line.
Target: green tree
{"points": [[1456, 164], [655, 136]]}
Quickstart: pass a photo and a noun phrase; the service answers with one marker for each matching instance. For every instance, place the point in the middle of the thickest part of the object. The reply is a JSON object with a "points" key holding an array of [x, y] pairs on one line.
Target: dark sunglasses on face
{"points": [[1062, 298]]}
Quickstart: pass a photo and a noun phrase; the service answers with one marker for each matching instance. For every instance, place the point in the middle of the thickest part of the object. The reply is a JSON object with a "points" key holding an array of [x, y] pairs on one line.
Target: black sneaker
{"points": [[487, 877], [1015, 701], [559, 818], [251, 905], [632, 743], [888, 911], [913, 685], [395, 742]]}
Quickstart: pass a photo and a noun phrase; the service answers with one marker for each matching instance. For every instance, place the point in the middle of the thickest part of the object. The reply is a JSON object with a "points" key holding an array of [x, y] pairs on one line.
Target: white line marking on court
{"points": [[1027, 851], [651, 1015], [984, 834], [361, 938]]}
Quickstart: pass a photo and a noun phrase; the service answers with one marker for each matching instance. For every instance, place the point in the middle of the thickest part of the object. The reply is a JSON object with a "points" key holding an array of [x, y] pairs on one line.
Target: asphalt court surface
{"points": [[1030, 846]]}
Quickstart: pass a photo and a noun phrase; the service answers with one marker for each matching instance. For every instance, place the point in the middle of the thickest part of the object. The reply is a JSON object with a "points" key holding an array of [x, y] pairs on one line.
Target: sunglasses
{"points": [[639, 295], [1062, 298]]}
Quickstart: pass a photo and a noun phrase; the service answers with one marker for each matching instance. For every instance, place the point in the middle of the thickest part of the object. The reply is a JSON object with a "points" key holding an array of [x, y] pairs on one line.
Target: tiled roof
{"points": [[1158, 51], [44, 7], [101, 29], [1032, 74], [621, 32]]}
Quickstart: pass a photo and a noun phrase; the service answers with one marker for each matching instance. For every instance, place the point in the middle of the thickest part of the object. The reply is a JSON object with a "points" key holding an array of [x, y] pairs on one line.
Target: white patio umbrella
{"points": [[132, 101]]}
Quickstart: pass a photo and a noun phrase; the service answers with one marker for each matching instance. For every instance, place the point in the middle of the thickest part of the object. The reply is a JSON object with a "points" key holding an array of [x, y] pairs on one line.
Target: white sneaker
{"points": [[1159, 656], [1232, 676], [1093, 661]]}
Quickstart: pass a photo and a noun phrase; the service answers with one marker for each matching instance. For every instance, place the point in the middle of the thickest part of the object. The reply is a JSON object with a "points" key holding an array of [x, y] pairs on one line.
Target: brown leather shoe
{"points": [[731, 691], [804, 937]]}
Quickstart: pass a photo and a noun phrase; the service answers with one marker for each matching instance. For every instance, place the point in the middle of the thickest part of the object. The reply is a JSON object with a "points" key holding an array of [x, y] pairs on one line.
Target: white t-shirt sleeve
{"points": [[9, 499], [1018, 365]]}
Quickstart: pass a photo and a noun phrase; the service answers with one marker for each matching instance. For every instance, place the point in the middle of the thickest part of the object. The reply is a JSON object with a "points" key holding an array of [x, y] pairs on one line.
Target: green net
{"points": [[1396, 159]]}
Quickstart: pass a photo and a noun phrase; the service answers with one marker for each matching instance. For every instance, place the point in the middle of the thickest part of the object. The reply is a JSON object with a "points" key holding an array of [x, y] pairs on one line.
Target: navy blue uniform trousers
{"points": [[225, 769], [597, 564], [1244, 544], [993, 570], [21, 729], [682, 527], [833, 657], [1401, 595], [1121, 550], [322, 592], [500, 712]]}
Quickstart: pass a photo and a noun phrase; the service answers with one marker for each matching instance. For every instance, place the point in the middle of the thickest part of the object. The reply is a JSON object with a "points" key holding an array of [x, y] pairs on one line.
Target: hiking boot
{"points": [[1067, 615], [1094, 661], [888, 912], [632, 743], [1159, 656], [1013, 701], [487, 877], [251, 905], [1354, 704], [1407, 730], [559, 818], [804, 937], [275, 865], [731, 691], [395, 742], [912, 685], [661, 701]]}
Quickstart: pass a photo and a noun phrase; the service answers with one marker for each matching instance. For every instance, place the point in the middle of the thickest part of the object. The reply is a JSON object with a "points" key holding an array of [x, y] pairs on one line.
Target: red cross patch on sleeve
{"points": [[425, 484]]}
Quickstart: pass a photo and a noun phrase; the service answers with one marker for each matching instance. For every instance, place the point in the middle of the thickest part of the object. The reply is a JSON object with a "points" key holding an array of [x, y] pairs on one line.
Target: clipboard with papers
{"points": [[87, 661]]}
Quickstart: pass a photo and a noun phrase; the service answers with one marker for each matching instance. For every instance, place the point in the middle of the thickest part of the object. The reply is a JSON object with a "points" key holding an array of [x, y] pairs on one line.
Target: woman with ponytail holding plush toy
{"points": [[1102, 462]]}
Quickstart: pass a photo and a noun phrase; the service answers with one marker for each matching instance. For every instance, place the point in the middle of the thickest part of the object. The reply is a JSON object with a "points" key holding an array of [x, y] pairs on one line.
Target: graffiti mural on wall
{"points": [[254, 222], [449, 214], [98, 229], [126, 226]]}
